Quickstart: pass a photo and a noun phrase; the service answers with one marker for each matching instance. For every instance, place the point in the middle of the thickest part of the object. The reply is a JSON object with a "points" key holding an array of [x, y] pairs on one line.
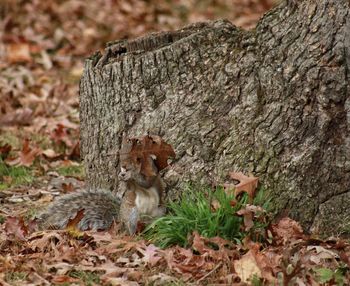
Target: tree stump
{"points": [[273, 101]]}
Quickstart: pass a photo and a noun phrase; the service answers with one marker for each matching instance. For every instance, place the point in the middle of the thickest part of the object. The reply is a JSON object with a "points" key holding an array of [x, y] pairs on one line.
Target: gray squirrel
{"points": [[142, 199]]}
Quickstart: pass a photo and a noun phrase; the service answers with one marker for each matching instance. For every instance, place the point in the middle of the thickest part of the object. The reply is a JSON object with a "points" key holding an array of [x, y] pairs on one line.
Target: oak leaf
{"points": [[26, 156], [18, 52], [247, 267], [21, 116], [147, 150], [150, 254], [286, 230], [249, 212], [60, 135], [246, 184], [16, 227]]}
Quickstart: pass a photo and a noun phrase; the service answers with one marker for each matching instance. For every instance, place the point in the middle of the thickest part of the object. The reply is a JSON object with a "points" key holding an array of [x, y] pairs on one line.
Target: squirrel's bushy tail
{"points": [[100, 207]]}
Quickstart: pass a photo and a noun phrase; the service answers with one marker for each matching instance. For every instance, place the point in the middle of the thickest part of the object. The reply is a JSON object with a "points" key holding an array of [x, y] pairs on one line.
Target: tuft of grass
{"points": [[12, 139], [256, 281], [195, 213], [14, 276], [2, 219], [31, 213], [325, 275], [262, 199], [42, 141], [72, 171], [16, 175], [89, 278]]}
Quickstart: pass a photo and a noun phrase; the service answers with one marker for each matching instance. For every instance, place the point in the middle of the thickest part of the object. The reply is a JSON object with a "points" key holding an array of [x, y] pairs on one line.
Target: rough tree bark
{"points": [[273, 101]]}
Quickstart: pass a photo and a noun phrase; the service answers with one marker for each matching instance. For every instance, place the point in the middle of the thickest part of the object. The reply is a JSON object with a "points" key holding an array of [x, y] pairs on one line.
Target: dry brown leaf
{"points": [[286, 230], [51, 154], [60, 279], [249, 212], [150, 254], [43, 240], [246, 184], [21, 116], [145, 150], [60, 135], [204, 246], [26, 156], [319, 254], [247, 267], [16, 227], [135, 275], [247, 218], [18, 52]]}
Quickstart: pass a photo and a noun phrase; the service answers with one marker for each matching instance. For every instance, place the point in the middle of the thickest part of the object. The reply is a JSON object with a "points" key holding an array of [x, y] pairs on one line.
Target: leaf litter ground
{"points": [[41, 54]]}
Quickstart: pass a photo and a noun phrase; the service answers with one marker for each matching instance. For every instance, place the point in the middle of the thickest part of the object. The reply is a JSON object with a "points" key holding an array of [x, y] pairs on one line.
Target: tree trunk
{"points": [[274, 101]]}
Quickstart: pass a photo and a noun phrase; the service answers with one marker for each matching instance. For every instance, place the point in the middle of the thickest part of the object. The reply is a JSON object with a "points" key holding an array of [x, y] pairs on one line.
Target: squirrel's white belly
{"points": [[147, 201]]}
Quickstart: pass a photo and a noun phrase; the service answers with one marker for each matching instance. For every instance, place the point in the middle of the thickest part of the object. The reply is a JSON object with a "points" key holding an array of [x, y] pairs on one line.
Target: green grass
{"points": [[43, 141], [15, 276], [17, 175], [325, 275], [194, 213], [72, 171], [11, 139], [89, 278]]}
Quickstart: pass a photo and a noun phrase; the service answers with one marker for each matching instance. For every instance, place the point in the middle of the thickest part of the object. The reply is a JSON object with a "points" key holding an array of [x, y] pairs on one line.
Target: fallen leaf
{"points": [[16, 227], [60, 135], [60, 279], [150, 254], [135, 275], [18, 52], [247, 267], [320, 254], [247, 218], [249, 212], [162, 279], [246, 184], [42, 241], [51, 154], [21, 116], [286, 230], [26, 156]]}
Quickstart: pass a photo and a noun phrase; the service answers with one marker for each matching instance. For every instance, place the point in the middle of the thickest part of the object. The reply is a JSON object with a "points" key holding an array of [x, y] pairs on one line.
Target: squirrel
{"points": [[143, 194], [142, 200]]}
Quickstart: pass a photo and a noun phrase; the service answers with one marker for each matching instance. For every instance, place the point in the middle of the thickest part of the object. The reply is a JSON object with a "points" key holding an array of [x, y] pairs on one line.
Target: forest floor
{"points": [[42, 50]]}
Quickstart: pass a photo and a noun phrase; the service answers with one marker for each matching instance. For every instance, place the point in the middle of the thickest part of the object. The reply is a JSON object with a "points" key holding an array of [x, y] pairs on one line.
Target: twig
{"points": [[4, 212], [210, 272]]}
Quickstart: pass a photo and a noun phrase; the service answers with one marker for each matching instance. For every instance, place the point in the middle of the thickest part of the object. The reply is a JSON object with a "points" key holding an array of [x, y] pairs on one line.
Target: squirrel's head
{"points": [[130, 168]]}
